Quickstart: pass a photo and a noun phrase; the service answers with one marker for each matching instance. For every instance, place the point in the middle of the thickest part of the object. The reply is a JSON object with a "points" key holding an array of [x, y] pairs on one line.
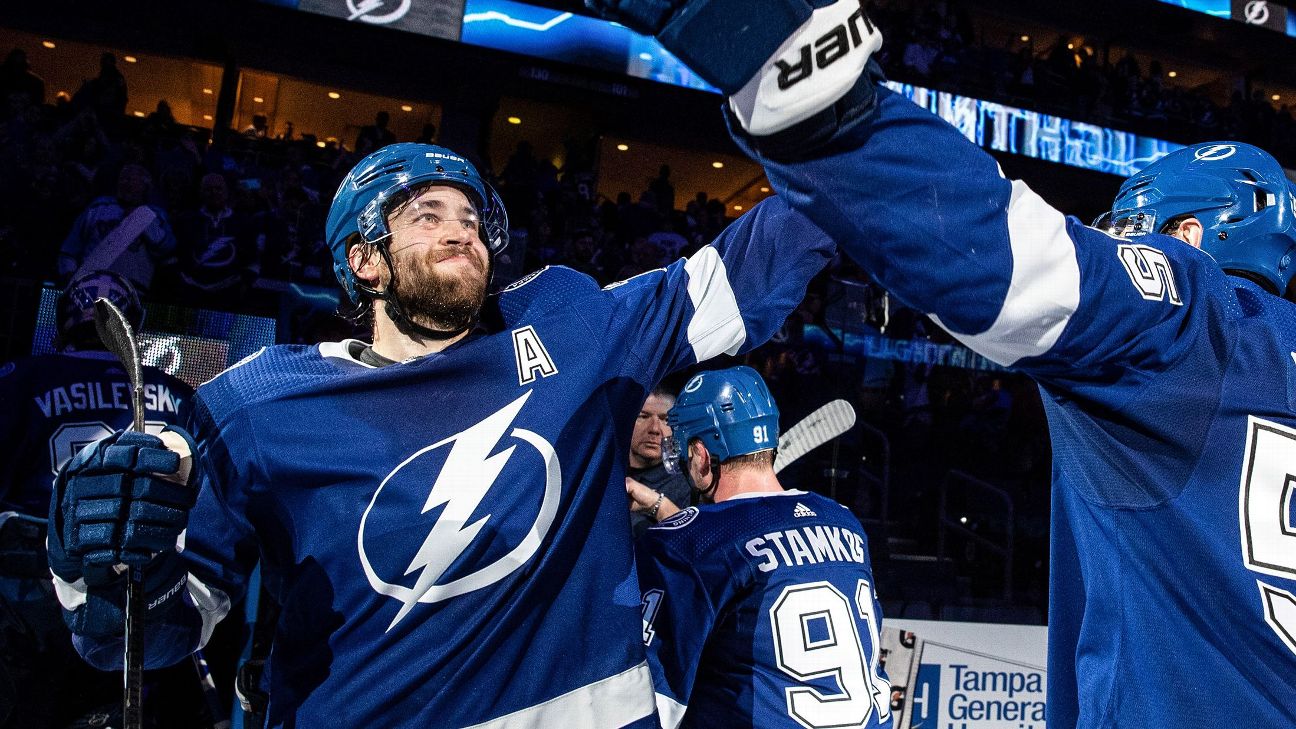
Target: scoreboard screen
{"points": [[195, 345]]}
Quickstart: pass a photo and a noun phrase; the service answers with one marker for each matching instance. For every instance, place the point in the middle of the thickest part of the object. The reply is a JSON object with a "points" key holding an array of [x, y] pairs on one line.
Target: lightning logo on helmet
{"points": [[1215, 153], [470, 470]]}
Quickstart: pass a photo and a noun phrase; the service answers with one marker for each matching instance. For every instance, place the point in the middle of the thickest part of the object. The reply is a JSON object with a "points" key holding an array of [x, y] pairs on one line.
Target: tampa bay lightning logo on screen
{"points": [[445, 521], [377, 11]]}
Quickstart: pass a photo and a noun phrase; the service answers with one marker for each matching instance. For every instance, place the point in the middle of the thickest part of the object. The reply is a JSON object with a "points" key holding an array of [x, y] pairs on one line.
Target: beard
{"points": [[437, 300]]}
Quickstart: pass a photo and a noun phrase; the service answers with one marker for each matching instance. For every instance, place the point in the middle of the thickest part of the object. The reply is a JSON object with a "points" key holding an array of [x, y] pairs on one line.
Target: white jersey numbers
{"points": [[651, 604], [816, 636], [1267, 509], [1150, 271]]}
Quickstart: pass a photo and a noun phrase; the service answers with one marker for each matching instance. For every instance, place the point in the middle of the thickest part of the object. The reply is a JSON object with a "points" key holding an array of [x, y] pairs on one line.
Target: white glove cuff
{"points": [[810, 71]]}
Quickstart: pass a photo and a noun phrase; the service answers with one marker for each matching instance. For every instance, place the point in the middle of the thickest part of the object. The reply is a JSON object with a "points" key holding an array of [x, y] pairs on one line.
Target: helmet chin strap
{"points": [[410, 327]]}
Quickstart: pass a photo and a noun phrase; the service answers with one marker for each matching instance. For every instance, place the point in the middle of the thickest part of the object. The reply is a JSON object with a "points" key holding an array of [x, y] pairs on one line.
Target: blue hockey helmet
{"points": [[1238, 192], [731, 411], [75, 310], [388, 177]]}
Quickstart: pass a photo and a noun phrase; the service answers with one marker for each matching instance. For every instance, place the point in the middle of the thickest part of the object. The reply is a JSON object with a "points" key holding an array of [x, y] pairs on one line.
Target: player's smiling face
{"points": [[442, 265]]}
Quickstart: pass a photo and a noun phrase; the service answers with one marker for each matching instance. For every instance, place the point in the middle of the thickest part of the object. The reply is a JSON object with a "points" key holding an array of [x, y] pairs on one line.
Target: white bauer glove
{"points": [[810, 71]]}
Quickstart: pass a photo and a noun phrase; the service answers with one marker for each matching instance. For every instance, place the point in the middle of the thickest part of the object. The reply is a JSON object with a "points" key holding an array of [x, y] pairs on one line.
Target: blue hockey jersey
{"points": [[1170, 390], [52, 405], [761, 611], [447, 536]]}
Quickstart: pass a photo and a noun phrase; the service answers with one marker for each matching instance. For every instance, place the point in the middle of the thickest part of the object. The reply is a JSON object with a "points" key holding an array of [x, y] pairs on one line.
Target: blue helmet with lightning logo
{"points": [[388, 177], [1239, 193], [731, 411]]}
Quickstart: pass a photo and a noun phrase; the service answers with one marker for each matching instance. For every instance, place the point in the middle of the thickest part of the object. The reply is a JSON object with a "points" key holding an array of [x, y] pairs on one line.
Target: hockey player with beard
{"points": [[1160, 339], [440, 513]]}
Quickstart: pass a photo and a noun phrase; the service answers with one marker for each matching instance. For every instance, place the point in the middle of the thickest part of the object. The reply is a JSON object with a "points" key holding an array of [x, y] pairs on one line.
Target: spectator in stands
{"points": [[294, 229], [219, 249], [654, 493], [104, 94], [16, 77], [160, 121], [663, 190], [582, 254], [375, 135], [259, 128], [520, 181], [667, 240], [120, 233]]}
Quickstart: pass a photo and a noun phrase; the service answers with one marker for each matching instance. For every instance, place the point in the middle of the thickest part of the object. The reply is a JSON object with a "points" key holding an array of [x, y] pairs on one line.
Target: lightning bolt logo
{"points": [[469, 472], [364, 10], [364, 7]]}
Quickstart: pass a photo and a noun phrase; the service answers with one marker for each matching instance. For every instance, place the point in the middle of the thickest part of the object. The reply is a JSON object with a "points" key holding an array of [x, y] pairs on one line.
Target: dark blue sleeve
{"points": [[679, 613]]}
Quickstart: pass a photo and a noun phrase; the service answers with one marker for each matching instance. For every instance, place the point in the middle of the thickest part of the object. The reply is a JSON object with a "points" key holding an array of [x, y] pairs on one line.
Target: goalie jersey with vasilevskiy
{"points": [[1170, 390], [447, 535], [56, 403]]}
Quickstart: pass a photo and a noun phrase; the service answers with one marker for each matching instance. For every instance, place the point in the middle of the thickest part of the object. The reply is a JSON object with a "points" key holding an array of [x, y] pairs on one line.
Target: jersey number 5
{"points": [[1150, 271], [1267, 509], [816, 636]]}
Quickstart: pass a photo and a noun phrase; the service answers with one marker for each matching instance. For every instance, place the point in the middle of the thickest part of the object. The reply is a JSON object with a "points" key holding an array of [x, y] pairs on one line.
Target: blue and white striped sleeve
{"points": [[932, 218]]}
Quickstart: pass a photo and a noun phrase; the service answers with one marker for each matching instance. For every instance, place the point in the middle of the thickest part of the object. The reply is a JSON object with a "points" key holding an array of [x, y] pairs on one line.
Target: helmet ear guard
{"points": [[1240, 195]]}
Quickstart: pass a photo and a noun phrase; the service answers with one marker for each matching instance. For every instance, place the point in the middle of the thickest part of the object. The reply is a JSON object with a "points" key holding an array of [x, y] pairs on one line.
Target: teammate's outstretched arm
{"points": [[923, 209]]}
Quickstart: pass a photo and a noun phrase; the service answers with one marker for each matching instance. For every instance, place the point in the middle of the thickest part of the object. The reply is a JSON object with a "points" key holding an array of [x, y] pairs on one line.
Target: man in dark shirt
{"points": [[219, 248], [654, 493]]}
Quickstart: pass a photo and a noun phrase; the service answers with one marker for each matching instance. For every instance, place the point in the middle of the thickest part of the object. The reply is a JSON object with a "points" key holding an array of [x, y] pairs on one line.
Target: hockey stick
{"points": [[814, 430], [117, 336], [210, 695]]}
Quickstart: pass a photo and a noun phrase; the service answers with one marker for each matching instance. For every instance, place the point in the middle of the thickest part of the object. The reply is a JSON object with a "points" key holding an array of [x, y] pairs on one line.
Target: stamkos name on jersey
{"points": [[103, 396], [806, 545]]}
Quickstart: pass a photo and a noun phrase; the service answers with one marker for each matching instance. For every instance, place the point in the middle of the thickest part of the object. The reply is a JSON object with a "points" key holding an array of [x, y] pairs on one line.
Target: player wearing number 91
{"points": [[759, 608], [1161, 342]]}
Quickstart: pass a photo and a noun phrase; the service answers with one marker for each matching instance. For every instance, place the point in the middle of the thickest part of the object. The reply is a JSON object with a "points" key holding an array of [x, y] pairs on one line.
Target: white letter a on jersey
{"points": [[532, 358]]}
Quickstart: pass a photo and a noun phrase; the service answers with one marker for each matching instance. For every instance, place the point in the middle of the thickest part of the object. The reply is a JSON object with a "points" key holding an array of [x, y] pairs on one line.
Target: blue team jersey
{"points": [[52, 405], [761, 611], [1170, 390], [447, 536]]}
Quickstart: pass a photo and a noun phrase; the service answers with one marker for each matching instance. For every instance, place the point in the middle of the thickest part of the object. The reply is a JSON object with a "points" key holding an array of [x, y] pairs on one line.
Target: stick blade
{"points": [[817, 428], [116, 334]]}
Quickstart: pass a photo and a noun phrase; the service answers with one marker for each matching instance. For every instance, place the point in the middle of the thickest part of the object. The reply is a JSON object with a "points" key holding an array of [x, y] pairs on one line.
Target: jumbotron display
{"points": [[1265, 14], [192, 344], [1004, 128]]}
